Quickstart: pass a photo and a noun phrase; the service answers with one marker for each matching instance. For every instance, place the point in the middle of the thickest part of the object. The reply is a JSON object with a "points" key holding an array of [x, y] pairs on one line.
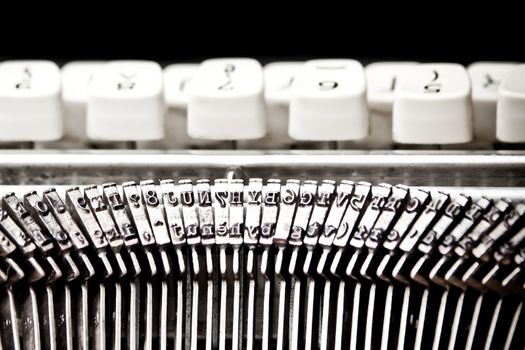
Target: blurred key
{"points": [[432, 105], [125, 102], [381, 81], [30, 107], [486, 78], [328, 101], [75, 80], [176, 81], [176, 78], [278, 78], [510, 122], [225, 100]]}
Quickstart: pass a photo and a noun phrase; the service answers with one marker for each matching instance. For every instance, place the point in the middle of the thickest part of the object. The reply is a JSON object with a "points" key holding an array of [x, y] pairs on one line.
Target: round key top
{"points": [[176, 80], [125, 102], [510, 122], [225, 100], [75, 80], [486, 78], [432, 105], [328, 101], [381, 82], [278, 79], [30, 107]]}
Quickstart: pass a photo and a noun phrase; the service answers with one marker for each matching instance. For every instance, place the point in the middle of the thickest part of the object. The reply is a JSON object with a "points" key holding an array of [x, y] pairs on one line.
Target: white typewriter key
{"points": [[225, 100], [75, 80], [432, 105], [176, 79], [30, 107], [328, 101], [486, 78], [381, 81], [176, 82], [510, 121], [278, 78], [125, 102]]}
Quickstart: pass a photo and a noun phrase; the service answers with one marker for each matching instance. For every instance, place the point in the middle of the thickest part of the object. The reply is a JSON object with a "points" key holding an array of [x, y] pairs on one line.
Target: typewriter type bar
{"points": [[252, 263]]}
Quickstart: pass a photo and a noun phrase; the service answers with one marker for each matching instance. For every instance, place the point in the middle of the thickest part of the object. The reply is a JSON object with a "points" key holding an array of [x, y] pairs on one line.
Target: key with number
{"points": [[225, 100], [278, 78], [486, 78], [176, 81], [125, 102], [510, 120], [381, 81], [328, 101], [432, 105], [29, 96], [76, 77]]}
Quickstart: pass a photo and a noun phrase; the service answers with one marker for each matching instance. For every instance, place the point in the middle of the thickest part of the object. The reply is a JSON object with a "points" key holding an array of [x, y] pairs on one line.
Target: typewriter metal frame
{"points": [[491, 173]]}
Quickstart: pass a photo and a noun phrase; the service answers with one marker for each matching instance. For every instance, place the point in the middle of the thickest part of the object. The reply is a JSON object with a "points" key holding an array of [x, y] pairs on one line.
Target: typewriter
{"points": [[239, 204]]}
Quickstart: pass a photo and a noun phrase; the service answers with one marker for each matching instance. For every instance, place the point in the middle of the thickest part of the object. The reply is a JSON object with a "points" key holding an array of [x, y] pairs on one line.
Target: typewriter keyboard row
{"points": [[334, 103], [231, 263]]}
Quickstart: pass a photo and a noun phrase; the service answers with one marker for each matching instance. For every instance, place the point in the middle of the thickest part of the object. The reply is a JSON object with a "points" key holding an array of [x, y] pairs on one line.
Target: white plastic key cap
{"points": [[125, 102], [75, 80], [278, 78], [176, 80], [381, 81], [328, 101], [225, 100], [510, 122], [432, 105], [30, 106], [486, 78]]}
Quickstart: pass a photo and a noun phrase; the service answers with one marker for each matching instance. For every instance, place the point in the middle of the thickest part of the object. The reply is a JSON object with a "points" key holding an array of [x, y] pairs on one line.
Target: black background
{"points": [[429, 31]]}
